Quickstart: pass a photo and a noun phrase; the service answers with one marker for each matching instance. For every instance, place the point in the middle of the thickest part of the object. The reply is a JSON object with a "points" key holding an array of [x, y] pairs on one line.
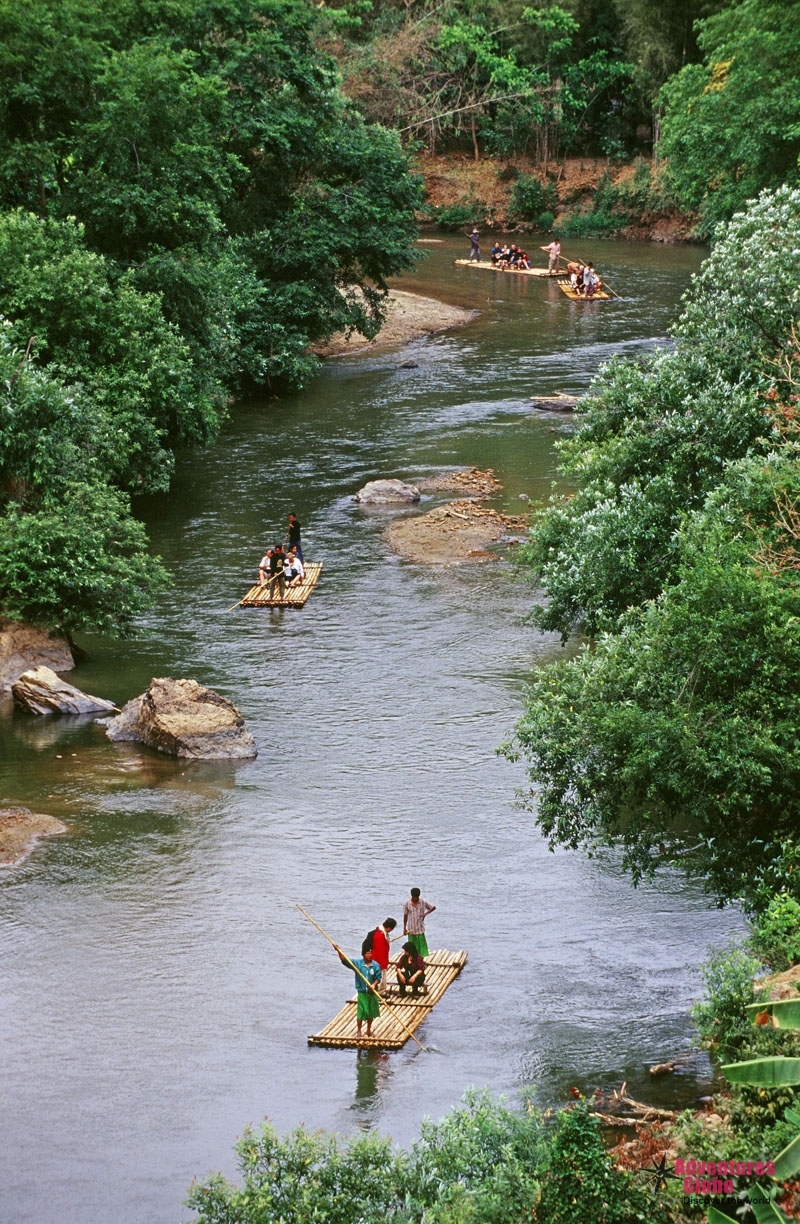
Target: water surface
{"points": [[158, 983]]}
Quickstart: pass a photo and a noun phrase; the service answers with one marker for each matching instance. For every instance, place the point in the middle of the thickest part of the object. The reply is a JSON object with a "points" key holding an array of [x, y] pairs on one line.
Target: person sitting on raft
{"points": [[294, 569], [265, 566], [523, 261], [410, 970], [496, 252]]}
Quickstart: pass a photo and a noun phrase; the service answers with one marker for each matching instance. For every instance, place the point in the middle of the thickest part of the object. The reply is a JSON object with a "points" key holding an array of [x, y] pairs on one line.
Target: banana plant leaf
{"points": [[787, 1162], [766, 1072], [715, 1216], [766, 1213], [792, 1117], [785, 1011]]}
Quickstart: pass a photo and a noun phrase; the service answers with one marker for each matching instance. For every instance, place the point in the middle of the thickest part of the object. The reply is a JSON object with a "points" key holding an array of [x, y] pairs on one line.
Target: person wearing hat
{"points": [[410, 970], [415, 911], [474, 244]]}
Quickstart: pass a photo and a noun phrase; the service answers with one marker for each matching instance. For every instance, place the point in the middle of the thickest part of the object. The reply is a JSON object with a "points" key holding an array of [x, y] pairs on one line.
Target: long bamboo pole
{"points": [[361, 975], [268, 583]]}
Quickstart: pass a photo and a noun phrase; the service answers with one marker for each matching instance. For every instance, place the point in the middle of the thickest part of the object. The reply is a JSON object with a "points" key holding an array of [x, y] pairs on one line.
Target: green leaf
{"points": [[786, 1012], [767, 1072], [787, 1162], [766, 1213]]}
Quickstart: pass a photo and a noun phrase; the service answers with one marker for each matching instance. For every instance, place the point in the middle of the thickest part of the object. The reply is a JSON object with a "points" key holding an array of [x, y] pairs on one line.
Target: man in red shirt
{"points": [[380, 948]]}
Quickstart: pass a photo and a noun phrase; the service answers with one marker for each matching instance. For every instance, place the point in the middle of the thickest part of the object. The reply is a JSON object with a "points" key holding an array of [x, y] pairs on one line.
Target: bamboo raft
{"points": [[599, 295], [441, 968], [265, 595], [487, 264]]}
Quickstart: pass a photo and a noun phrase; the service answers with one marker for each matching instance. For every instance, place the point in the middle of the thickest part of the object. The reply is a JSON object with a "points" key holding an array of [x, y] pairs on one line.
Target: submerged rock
{"points": [[41, 692], [23, 646], [19, 830], [184, 719], [386, 493]]}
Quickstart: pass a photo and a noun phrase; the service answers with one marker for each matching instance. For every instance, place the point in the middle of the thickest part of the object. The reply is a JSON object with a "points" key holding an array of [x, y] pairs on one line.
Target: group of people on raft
{"points": [[509, 256], [281, 567], [372, 966]]}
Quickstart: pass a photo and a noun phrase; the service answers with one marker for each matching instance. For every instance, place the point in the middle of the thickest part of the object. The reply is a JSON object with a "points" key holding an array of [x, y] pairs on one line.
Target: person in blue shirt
{"points": [[368, 976]]}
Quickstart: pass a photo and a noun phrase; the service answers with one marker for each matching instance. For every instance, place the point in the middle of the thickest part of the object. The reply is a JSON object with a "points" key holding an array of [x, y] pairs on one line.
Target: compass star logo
{"points": [[659, 1174]]}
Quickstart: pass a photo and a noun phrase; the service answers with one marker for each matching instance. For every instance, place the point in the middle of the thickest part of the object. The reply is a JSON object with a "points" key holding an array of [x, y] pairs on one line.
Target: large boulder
{"points": [[23, 646], [184, 719], [41, 692], [19, 830], [387, 493]]}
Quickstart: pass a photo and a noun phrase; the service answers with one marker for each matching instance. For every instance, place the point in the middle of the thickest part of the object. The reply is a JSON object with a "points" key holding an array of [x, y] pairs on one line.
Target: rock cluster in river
{"points": [[23, 646], [19, 830], [40, 691], [183, 719], [386, 493]]}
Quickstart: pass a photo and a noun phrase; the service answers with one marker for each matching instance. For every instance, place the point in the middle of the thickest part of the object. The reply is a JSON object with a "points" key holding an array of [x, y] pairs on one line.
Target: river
{"points": [[158, 983]]}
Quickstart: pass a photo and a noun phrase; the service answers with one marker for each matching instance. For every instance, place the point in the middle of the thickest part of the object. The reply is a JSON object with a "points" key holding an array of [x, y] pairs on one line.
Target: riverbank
{"points": [[408, 317], [577, 197]]}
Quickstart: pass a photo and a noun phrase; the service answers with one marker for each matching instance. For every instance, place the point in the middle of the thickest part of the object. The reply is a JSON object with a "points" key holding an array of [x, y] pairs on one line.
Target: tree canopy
{"points": [[674, 732], [732, 122], [188, 201]]}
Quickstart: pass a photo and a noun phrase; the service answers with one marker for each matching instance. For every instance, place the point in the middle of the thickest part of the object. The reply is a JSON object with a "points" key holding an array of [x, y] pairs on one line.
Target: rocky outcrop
{"points": [[387, 493], [23, 646], [183, 719], [41, 692], [19, 830]]}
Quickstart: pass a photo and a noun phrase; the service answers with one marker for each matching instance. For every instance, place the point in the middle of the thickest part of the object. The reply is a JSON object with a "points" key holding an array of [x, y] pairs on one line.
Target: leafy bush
{"points": [[464, 212], [580, 1180], [721, 1019], [476, 1166], [776, 933], [597, 223], [530, 198]]}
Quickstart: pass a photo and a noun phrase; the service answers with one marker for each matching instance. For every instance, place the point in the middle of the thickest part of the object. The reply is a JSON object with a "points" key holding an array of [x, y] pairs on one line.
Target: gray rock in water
{"points": [[183, 719], [408, 365], [387, 493], [23, 646], [41, 692]]}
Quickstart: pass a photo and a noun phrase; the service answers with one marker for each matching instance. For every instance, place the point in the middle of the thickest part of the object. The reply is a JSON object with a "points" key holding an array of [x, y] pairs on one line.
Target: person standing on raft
{"points": [[368, 973], [378, 942], [474, 244], [415, 911], [293, 535]]}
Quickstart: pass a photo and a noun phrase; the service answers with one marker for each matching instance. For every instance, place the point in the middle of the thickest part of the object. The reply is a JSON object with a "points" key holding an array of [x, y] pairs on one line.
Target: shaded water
{"points": [[158, 983]]}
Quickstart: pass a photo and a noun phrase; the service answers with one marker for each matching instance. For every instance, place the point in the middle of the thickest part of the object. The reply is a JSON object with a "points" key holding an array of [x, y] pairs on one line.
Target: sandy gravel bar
{"points": [[20, 828], [409, 316], [453, 534]]}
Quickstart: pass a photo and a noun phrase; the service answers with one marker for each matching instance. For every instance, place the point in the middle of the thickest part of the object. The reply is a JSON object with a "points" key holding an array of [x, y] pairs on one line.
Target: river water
{"points": [[158, 982]]}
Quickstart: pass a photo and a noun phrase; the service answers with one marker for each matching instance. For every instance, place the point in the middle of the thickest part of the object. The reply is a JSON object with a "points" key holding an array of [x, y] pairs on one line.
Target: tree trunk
{"points": [[475, 148]]}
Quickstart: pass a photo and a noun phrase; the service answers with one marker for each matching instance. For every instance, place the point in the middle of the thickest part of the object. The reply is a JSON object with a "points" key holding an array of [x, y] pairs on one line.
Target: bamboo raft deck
{"points": [[487, 265], [441, 968], [599, 295], [262, 596]]}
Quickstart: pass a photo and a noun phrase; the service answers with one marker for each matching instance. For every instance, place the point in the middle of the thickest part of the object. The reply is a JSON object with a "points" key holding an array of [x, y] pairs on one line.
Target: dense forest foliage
{"points": [[187, 201], [515, 79]]}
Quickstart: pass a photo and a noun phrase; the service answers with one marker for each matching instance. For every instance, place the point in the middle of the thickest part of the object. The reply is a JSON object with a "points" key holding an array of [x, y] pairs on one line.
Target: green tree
{"points": [[732, 123], [673, 735], [71, 555]]}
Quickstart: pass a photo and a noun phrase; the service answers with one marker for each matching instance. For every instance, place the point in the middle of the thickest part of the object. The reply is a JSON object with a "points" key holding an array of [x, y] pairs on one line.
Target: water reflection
{"points": [[373, 1075]]}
